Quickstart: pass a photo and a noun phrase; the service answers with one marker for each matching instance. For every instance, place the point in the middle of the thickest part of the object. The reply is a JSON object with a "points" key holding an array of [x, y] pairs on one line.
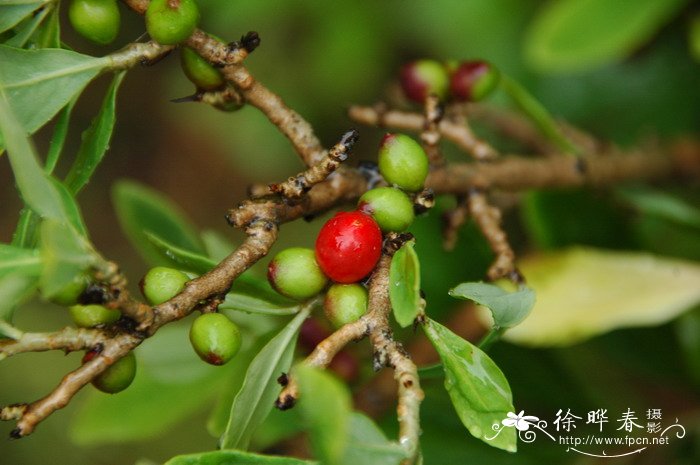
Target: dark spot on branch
{"points": [[408, 383], [94, 294], [283, 379], [350, 138], [16, 434], [581, 166], [250, 41], [286, 403]]}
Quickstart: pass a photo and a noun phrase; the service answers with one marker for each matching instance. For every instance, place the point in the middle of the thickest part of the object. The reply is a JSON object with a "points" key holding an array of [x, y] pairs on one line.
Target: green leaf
{"points": [[34, 185], [48, 34], [13, 259], [181, 258], [582, 292], [579, 35], [72, 211], [95, 140], [252, 294], [325, 407], [537, 113], [237, 457], [58, 139], [662, 205], [508, 308], [431, 371], [688, 334], [171, 384], [217, 245], [65, 254], [25, 31], [43, 81], [15, 288], [404, 285], [694, 37], [142, 210], [12, 12], [479, 391], [368, 444], [260, 389]]}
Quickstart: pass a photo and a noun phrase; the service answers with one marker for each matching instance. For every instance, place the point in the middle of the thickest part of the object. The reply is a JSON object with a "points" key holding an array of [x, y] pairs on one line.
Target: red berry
{"points": [[349, 246], [421, 78], [474, 80]]}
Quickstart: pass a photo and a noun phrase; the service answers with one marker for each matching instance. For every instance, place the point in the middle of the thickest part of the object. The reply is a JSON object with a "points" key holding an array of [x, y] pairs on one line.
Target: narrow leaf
{"points": [[142, 210], [12, 13], [95, 140], [27, 29], [237, 457], [662, 205], [368, 444], [582, 292], [41, 82], [478, 389], [325, 408], [508, 308], [404, 285], [181, 258], [15, 288], [65, 254], [260, 389], [13, 259], [579, 35]]}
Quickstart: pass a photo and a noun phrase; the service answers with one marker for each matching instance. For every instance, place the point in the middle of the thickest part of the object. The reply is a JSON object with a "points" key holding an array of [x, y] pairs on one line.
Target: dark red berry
{"points": [[474, 80], [421, 78], [349, 246]]}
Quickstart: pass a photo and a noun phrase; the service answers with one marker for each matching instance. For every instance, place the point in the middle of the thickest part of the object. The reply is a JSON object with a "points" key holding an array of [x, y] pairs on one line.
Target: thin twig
{"points": [[430, 135]]}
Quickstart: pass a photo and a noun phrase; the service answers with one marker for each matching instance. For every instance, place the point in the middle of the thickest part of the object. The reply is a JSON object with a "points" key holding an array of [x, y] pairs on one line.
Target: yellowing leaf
{"points": [[583, 292]]}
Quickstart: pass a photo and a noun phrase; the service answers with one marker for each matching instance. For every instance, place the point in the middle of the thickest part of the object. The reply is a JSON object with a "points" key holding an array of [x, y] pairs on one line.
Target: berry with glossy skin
{"points": [[348, 246], [162, 284], [345, 303], [200, 71], [215, 338], [421, 78], [71, 292], [118, 376], [96, 20], [403, 162], [474, 80], [169, 22], [390, 208], [87, 316], [294, 273]]}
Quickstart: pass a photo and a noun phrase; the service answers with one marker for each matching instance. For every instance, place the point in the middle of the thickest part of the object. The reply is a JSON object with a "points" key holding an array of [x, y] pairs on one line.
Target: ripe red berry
{"points": [[421, 78], [349, 246], [474, 80]]}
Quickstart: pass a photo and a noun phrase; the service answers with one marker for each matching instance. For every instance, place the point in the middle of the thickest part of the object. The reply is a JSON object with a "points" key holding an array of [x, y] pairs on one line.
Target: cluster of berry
{"points": [[349, 245], [466, 81]]}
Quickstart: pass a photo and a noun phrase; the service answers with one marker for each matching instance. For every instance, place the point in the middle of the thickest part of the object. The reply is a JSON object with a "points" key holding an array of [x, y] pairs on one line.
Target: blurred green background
{"points": [[323, 56]]}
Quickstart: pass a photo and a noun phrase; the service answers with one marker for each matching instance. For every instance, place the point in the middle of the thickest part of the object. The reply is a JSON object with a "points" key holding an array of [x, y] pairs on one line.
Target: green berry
{"points": [[474, 80], [118, 376], [162, 284], [87, 316], [390, 208], [71, 292], [215, 338], [403, 162], [96, 20], [294, 273], [169, 22], [345, 303], [421, 78], [200, 71]]}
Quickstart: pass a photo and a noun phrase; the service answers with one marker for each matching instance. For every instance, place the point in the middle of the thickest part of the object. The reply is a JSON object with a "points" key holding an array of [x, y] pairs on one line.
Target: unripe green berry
{"points": [[403, 162], [421, 78], [169, 22], [294, 273], [473, 81], [200, 71], [215, 338], [118, 376], [87, 316], [162, 284], [345, 303], [71, 292], [391, 208], [96, 20]]}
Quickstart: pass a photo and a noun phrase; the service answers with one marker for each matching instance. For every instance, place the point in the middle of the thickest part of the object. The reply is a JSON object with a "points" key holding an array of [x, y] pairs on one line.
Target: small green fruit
{"points": [[345, 303], [71, 292], [390, 208], [96, 20], [87, 316], [403, 162], [162, 284], [200, 71], [169, 22], [118, 376], [294, 273], [473, 81], [215, 338], [421, 78]]}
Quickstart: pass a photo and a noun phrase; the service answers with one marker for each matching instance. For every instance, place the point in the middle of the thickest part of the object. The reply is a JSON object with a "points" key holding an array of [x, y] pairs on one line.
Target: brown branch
{"points": [[460, 134], [68, 339], [430, 135], [488, 218]]}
